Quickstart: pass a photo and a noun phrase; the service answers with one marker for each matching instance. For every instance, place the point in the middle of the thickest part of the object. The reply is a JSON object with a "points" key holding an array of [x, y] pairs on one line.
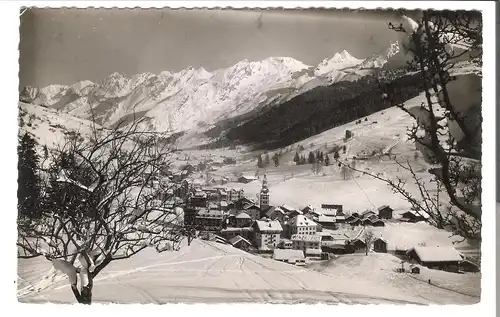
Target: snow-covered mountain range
{"points": [[194, 98]]}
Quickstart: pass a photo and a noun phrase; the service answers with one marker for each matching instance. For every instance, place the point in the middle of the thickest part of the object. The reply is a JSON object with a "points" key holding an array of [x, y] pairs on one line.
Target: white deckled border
{"points": [[8, 130]]}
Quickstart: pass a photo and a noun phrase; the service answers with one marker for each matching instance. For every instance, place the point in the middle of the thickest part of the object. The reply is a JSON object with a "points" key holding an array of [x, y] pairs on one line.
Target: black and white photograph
{"points": [[224, 156]]}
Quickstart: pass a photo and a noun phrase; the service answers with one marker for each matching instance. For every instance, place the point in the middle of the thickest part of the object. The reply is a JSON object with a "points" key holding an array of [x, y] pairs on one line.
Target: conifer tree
{"points": [[28, 191], [311, 159]]}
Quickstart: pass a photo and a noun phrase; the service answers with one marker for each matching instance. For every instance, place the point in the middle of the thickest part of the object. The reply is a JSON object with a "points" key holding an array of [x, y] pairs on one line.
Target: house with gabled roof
{"points": [[302, 225], [413, 216], [252, 210], [442, 258], [367, 213], [327, 222], [243, 220], [267, 234], [240, 243], [380, 245], [306, 242], [385, 212], [278, 214], [288, 255]]}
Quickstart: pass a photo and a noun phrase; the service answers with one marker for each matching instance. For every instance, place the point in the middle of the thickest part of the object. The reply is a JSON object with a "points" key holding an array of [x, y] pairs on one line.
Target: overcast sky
{"points": [[63, 46]]}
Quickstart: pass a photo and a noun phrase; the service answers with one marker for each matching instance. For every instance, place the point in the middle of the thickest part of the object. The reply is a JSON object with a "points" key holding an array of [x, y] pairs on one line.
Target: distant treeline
{"points": [[320, 109]]}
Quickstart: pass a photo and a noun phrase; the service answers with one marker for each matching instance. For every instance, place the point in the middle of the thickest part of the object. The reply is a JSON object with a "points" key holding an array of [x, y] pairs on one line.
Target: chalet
{"points": [[357, 245], [356, 214], [210, 220], [307, 210], [340, 219], [412, 216], [367, 214], [253, 211], [237, 195], [198, 199], [351, 218], [243, 220], [327, 222], [288, 256], [325, 236], [224, 206], [288, 209], [267, 212], [240, 243], [217, 238], [278, 214], [354, 221], [338, 209], [469, 266], [267, 234], [286, 244], [378, 223], [380, 245], [335, 247], [294, 213], [229, 160], [245, 179], [222, 193], [385, 212], [231, 232], [213, 206], [231, 217], [302, 225], [306, 242], [442, 258]]}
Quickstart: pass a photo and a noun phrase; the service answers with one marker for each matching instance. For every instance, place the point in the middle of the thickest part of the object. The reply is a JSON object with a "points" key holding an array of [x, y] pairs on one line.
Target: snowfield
{"points": [[207, 272]]}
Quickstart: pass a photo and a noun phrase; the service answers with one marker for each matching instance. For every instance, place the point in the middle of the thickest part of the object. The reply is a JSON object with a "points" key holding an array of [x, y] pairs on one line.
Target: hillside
{"points": [[207, 272], [318, 110]]}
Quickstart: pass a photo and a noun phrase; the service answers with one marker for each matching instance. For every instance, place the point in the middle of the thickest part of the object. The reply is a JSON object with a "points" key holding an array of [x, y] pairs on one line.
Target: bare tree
{"points": [[101, 205], [447, 129], [368, 238]]}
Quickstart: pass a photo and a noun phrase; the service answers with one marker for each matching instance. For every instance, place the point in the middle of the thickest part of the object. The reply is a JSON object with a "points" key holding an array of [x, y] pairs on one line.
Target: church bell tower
{"points": [[264, 195]]}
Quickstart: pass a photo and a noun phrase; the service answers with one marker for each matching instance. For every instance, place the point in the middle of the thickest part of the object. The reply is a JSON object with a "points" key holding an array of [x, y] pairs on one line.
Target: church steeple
{"points": [[264, 195]]}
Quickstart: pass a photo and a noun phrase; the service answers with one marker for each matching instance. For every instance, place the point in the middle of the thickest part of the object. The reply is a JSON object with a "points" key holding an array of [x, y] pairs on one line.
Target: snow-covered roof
{"points": [[380, 238], [271, 225], [323, 218], [383, 207], [287, 254], [243, 215], [301, 221], [287, 208], [210, 213], [306, 237], [235, 229], [437, 254], [249, 177], [237, 239], [310, 251]]}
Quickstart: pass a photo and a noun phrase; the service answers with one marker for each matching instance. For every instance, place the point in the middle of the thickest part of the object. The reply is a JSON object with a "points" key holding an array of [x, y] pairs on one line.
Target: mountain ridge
{"points": [[195, 97]]}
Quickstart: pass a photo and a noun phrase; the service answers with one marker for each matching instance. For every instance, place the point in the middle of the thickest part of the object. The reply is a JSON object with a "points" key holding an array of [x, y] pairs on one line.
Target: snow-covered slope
{"points": [[207, 272], [195, 98], [50, 126]]}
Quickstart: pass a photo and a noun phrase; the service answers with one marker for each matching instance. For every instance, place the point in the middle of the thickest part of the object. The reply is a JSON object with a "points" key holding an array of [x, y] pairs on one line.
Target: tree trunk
{"points": [[84, 295]]}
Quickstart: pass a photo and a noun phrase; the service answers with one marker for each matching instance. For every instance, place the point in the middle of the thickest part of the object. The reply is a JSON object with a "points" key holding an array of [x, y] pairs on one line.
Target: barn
{"points": [[385, 212], [441, 258], [380, 245]]}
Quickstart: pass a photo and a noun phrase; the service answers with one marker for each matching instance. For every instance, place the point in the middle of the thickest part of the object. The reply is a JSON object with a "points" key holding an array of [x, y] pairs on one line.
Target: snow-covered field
{"points": [[207, 272], [378, 268]]}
